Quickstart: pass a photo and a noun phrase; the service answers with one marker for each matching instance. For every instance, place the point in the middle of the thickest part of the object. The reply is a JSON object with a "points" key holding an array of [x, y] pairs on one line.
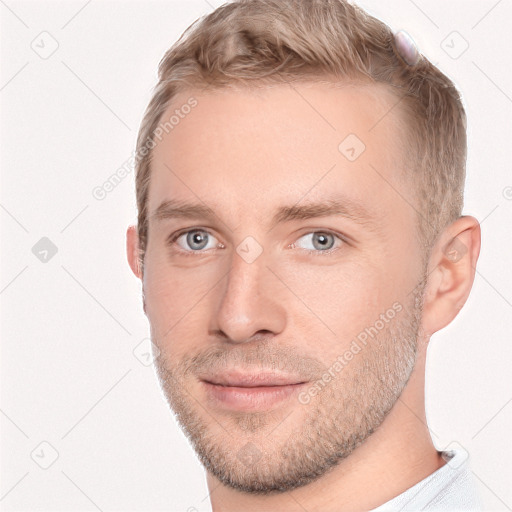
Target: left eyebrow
{"points": [[171, 209], [344, 207]]}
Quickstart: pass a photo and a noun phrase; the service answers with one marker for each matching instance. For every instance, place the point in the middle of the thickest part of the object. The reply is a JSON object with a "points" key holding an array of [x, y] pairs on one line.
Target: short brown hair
{"points": [[249, 42]]}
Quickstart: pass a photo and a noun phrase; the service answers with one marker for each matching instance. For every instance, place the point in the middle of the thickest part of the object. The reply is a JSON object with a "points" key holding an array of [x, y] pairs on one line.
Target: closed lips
{"points": [[254, 380]]}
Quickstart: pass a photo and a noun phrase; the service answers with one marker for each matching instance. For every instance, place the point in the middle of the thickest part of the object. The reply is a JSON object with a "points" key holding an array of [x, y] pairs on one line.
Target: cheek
{"points": [[334, 297], [167, 285], [337, 302], [177, 302]]}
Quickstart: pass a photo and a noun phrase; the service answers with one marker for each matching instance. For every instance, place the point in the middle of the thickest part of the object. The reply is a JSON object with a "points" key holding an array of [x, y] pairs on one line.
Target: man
{"points": [[300, 182]]}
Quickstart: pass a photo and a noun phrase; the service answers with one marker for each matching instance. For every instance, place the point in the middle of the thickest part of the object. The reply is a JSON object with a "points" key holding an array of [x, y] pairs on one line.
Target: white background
{"points": [[70, 325]]}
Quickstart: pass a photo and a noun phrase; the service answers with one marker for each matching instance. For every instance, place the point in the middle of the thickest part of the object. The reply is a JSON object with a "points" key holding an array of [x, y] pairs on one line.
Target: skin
{"points": [[244, 153]]}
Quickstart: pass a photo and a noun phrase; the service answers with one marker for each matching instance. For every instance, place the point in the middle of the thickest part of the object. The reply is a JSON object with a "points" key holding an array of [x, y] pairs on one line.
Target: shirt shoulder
{"points": [[450, 488]]}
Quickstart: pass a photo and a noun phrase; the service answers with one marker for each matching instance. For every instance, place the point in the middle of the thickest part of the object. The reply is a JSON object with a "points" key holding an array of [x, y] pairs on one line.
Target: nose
{"points": [[249, 302]]}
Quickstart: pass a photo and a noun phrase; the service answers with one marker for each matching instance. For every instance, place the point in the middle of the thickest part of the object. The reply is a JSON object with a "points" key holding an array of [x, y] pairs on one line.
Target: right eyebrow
{"points": [[172, 209]]}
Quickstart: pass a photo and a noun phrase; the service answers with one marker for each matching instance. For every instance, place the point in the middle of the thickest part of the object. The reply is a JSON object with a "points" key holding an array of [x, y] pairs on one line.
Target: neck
{"points": [[398, 455]]}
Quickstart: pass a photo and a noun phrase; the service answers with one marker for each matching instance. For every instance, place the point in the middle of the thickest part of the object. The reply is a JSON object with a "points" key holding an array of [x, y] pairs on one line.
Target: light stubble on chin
{"points": [[269, 452]]}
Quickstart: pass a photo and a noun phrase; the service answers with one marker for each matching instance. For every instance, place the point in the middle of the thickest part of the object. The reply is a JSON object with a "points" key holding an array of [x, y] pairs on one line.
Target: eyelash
{"points": [[172, 239]]}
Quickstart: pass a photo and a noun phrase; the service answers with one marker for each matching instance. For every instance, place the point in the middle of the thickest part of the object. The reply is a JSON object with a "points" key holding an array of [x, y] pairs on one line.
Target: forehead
{"points": [[249, 150]]}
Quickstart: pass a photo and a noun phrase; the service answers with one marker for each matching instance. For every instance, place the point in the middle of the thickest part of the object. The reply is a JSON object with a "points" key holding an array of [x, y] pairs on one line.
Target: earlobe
{"points": [[132, 250], [453, 267]]}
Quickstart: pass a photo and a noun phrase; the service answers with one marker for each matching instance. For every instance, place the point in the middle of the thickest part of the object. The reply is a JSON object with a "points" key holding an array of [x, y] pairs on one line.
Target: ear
{"points": [[132, 250], [452, 268]]}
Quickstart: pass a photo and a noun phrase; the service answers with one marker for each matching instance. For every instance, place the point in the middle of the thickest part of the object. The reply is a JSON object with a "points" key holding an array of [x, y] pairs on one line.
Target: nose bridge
{"points": [[248, 303]]}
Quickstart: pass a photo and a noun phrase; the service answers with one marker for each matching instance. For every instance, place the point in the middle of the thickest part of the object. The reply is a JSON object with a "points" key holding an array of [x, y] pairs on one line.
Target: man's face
{"points": [[237, 294]]}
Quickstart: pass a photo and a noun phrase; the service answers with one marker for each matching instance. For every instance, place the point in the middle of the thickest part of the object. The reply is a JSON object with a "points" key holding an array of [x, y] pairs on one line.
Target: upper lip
{"points": [[252, 380]]}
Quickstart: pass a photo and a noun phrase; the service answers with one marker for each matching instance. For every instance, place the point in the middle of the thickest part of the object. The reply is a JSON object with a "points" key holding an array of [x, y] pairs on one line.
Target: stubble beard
{"points": [[267, 452]]}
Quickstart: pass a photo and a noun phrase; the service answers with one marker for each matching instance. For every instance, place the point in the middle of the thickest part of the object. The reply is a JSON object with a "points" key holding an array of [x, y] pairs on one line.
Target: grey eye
{"points": [[196, 240], [320, 242]]}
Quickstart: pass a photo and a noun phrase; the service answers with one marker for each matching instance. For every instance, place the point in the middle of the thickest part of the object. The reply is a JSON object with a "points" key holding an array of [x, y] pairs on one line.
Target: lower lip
{"points": [[261, 397]]}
